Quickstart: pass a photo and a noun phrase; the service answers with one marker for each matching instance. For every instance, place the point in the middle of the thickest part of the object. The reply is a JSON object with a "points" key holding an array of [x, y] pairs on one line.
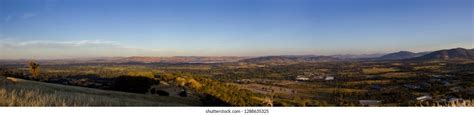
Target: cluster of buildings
{"points": [[438, 80], [314, 77]]}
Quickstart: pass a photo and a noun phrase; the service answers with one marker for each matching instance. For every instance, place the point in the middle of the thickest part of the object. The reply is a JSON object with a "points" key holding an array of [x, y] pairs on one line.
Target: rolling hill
{"points": [[182, 59], [447, 54], [34, 93], [402, 55], [133, 59], [290, 59]]}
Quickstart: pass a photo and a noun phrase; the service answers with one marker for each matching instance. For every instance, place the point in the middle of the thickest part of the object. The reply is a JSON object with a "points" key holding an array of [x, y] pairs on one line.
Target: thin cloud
{"points": [[8, 43], [68, 43], [11, 49]]}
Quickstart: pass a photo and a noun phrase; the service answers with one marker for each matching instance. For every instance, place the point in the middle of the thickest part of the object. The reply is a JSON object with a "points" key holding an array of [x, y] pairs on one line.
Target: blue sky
{"points": [[104, 28]]}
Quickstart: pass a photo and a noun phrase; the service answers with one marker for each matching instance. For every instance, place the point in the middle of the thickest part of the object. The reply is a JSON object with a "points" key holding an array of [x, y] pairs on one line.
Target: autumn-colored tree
{"points": [[268, 101], [34, 68], [194, 84], [180, 81]]}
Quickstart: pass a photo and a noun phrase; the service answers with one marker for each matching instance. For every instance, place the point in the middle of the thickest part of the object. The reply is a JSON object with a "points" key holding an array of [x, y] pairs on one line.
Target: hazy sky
{"points": [[103, 28]]}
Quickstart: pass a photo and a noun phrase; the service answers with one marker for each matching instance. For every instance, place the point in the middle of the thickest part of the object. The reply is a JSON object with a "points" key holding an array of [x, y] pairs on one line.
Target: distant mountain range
{"points": [[358, 56], [447, 54], [290, 59], [402, 55], [457, 53], [184, 59], [134, 59]]}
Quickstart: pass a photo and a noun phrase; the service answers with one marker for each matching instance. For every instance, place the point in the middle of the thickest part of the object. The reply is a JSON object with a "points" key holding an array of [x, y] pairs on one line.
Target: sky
{"points": [[109, 28]]}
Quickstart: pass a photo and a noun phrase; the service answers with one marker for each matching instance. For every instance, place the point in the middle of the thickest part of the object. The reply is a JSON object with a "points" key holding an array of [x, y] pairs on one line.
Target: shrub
{"points": [[162, 93], [141, 74], [183, 94], [133, 84]]}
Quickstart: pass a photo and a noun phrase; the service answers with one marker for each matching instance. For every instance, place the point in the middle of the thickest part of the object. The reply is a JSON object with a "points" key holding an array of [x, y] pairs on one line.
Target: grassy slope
{"points": [[33, 93]]}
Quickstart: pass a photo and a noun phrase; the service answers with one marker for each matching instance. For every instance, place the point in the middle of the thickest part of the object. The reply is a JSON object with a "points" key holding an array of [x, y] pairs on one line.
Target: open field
{"points": [[377, 70]]}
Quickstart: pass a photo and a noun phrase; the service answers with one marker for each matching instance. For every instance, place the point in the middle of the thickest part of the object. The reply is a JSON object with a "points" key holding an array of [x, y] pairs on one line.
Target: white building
{"points": [[302, 78], [424, 98], [329, 78]]}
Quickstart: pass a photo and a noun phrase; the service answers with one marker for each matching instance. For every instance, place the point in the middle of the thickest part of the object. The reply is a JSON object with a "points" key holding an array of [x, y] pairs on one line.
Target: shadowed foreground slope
{"points": [[32, 93]]}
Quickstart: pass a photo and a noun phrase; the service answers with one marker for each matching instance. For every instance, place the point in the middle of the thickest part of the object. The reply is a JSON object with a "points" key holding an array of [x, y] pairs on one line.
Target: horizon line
{"points": [[248, 56]]}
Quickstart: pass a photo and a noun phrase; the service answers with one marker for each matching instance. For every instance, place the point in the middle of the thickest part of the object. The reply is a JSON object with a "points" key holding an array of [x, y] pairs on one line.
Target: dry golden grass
{"points": [[25, 97], [463, 103], [32, 93]]}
